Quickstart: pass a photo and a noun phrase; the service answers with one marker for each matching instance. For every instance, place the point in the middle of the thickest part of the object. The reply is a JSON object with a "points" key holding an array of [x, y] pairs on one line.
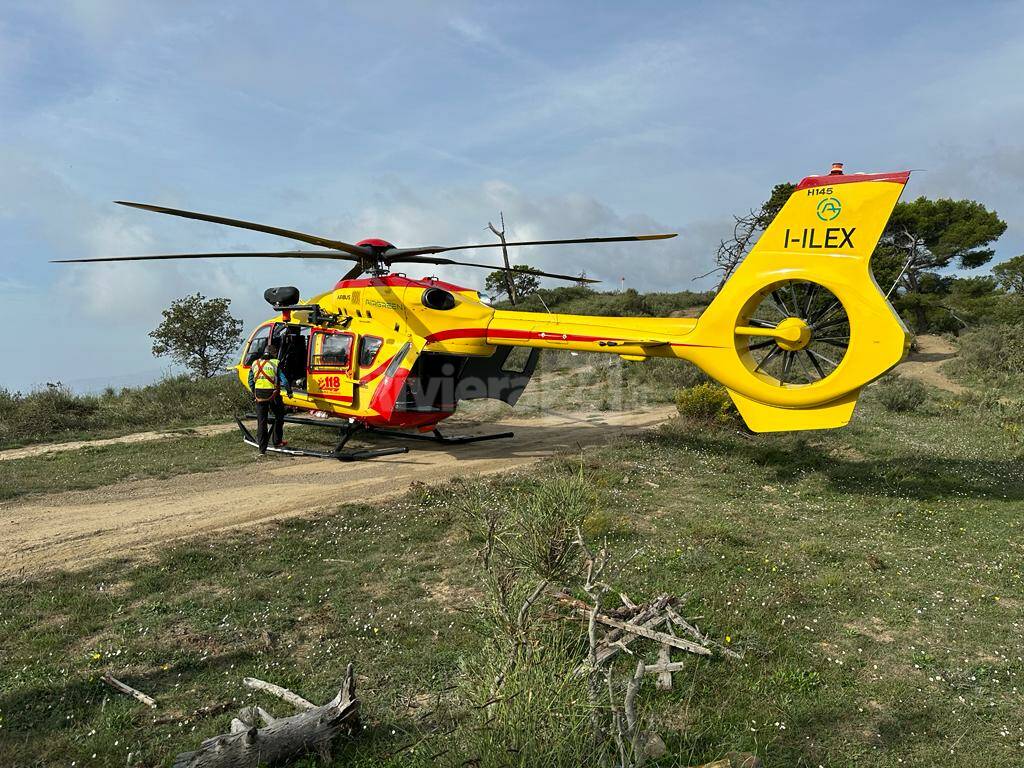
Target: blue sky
{"points": [[419, 121]]}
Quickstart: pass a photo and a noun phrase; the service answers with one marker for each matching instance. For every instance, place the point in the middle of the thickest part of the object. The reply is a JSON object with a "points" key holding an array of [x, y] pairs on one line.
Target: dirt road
{"points": [[76, 529], [924, 364], [135, 437]]}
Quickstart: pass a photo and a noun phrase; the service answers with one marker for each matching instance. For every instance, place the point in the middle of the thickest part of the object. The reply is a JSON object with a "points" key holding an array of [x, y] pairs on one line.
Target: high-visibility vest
{"points": [[264, 374]]}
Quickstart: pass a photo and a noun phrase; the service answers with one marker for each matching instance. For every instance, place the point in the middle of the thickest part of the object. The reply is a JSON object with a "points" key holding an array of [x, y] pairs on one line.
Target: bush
{"points": [[707, 402], [899, 395], [991, 351], [56, 413], [519, 699], [663, 375]]}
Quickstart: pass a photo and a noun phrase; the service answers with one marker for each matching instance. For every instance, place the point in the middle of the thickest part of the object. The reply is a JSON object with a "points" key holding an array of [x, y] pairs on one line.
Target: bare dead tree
{"points": [[731, 252], [746, 230], [509, 282]]}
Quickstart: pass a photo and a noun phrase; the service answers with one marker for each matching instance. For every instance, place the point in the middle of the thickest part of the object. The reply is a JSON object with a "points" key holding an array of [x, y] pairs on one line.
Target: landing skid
{"points": [[436, 436], [338, 453]]}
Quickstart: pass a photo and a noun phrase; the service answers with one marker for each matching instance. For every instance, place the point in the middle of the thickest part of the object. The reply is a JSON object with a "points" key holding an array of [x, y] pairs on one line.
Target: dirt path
{"points": [[924, 364], [136, 437], [76, 529], [539, 380]]}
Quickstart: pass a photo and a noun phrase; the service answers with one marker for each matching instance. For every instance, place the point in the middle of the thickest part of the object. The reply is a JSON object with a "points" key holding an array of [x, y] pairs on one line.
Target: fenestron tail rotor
{"points": [[369, 255], [797, 334]]}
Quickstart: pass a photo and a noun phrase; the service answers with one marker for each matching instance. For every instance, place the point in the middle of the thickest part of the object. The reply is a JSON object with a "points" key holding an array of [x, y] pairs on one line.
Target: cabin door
{"points": [[330, 374]]}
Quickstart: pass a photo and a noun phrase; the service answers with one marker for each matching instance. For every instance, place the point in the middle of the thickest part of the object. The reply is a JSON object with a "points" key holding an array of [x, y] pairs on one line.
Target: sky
{"points": [[418, 122]]}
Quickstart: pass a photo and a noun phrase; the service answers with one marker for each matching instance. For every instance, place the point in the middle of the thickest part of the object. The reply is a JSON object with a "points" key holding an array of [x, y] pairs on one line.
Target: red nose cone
{"points": [[375, 242]]}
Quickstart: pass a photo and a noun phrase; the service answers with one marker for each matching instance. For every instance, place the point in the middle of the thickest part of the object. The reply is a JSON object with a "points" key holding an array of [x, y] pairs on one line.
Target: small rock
{"points": [[654, 746], [735, 760], [744, 760]]}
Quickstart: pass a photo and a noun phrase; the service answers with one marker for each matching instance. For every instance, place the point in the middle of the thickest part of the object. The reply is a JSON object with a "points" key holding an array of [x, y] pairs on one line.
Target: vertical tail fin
{"points": [[801, 325]]}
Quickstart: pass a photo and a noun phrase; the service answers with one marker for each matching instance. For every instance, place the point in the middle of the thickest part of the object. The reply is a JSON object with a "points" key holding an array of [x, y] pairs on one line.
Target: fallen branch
{"points": [[664, 676], [650, 634], [117, 685], [282, 693], [282, 739], [620, 640], [696, 634], [665, 667]]}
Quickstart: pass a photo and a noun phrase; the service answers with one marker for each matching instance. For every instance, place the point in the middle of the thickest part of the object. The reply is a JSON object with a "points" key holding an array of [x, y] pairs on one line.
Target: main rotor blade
{"points": [[531, 271], [333, 256], [324, 242], [400, 252]]}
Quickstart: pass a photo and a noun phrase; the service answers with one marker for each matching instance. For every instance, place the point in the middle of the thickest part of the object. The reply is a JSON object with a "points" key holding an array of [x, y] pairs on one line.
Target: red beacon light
{"points": [[837, 169]]}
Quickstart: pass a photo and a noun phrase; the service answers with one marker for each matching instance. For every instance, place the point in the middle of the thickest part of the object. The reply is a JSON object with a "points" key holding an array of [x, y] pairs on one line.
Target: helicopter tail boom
{"points": [[797, 331]]}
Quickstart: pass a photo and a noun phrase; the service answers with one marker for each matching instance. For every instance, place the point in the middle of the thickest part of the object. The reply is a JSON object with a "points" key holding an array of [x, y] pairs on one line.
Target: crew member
{"points": [[265, 381]]}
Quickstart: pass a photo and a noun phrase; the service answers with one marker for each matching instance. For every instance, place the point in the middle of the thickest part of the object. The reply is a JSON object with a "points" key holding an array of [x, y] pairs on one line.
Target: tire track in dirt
{"points": [[76, 529], [924, 364]]}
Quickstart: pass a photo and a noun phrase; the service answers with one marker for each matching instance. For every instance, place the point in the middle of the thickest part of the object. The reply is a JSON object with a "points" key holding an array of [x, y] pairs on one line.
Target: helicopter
{"points": [[795, 333]]}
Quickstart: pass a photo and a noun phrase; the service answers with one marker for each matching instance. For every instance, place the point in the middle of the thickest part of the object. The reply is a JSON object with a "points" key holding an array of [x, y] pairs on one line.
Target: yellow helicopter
{"points": [[794, 335]]}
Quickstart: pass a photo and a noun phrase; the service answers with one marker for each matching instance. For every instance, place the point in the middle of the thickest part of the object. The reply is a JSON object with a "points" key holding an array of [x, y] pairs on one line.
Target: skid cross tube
{"points": [[338, 452]]}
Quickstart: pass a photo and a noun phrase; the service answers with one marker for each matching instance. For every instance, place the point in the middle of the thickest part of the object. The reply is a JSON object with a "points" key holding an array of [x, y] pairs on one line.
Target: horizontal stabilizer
{"points": [[769, 418]]}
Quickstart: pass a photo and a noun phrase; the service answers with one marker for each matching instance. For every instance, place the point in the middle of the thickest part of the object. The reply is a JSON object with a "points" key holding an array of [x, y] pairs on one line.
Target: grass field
{"points": [[871, 576]]}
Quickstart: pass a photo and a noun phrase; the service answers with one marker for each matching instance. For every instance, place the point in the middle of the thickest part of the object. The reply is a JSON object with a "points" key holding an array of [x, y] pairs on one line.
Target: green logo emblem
{"points": [[829, 208]]}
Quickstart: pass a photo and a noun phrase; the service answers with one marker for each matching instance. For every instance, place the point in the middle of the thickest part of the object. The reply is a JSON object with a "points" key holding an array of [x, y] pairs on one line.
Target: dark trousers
{"points": [[263, 411]]}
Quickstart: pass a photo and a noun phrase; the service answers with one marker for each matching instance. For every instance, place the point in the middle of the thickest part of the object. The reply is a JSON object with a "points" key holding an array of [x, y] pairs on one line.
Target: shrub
{"points": [[705, 402], [899, 395], [520, 701], [992, 350], [56, 413]]}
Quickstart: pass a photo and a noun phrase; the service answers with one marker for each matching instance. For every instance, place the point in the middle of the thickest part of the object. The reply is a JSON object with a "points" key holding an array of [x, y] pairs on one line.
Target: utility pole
{"points": [[510, 283]]}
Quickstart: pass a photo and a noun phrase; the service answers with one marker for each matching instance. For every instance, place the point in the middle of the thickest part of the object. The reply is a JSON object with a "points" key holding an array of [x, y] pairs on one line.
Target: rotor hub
{"points": [[793, 334], [375, 244]]}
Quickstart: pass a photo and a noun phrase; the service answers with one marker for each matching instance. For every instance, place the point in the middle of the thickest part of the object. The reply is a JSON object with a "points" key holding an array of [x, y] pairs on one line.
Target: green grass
{"points": [[93, 467], [870, 575], [97, 466]]}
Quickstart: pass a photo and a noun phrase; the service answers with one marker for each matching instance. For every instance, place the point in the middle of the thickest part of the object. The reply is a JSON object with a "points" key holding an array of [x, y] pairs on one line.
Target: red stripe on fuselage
{"points": [[376, 371], [339, 398], [500, 333]]}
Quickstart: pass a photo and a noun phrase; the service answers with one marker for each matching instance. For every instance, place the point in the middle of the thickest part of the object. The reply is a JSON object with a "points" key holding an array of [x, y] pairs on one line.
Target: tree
{"points": [[1010, 274], [510, 287], [199, 333], [925, 236], [524, 282], [748, 229]]}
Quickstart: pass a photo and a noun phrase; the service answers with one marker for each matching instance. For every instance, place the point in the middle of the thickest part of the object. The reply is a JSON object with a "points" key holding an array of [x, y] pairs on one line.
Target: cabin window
{"points": [[332, 351], [257, 344], [369, 346]]}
